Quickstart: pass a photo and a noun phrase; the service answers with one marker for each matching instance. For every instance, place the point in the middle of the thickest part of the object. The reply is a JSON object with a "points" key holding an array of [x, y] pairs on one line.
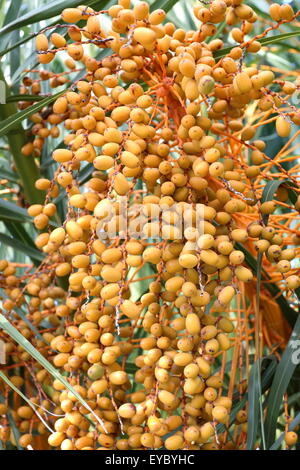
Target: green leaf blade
{"points": [[13, 121], [282, 377]]}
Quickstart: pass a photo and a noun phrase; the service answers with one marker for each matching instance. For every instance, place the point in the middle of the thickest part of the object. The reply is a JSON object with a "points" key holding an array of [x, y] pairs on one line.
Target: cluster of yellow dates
{"points": [[162, 122]]}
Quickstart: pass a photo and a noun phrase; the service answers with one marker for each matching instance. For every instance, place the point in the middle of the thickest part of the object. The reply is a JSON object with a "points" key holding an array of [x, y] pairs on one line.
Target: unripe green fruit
{"points": [[95, 372], [206, 85]]}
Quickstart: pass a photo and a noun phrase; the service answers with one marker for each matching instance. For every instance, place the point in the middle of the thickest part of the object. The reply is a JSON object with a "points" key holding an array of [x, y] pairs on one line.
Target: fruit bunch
{"points": [[163, 123]]}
